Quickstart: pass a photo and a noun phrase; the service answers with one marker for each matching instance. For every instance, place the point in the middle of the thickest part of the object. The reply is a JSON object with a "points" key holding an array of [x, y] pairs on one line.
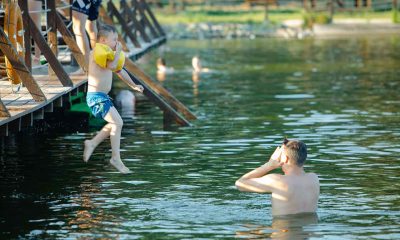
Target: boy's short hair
{"points": [[296, 151], [105, 30]]}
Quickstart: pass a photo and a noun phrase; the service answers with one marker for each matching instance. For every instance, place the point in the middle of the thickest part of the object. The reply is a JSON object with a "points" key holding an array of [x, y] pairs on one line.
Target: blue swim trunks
{"points": [[100, 103]]}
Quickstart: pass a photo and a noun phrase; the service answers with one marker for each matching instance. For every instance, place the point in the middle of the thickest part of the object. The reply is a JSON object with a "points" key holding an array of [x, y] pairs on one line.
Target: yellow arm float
{"points": [[103, 53]]}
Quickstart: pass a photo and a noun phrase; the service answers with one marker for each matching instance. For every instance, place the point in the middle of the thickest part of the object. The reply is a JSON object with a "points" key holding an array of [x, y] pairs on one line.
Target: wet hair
{"points": [[105, 30], [161, 61], [296, 151]]}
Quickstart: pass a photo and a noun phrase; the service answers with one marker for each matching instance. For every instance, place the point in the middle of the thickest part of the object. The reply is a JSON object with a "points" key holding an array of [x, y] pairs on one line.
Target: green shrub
{"points": [[309, 19]]}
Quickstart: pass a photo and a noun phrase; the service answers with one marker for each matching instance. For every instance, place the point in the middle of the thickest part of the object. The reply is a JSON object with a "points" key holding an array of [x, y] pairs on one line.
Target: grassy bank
{"points": [[251, 16]]}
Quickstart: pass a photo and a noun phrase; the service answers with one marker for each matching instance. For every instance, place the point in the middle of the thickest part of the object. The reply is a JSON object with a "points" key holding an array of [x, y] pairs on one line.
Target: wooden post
{"points": [[52, 34], [172, 5], [132, 19], [121, 20], [175, 103], [168, 119], [313, 4], [153, 18], [148, 92], [19, 66], [47, 52], [27, 120], [305, 5], [140, 6], [331, 10], [27, 36], [3, 110], [358, 3]]}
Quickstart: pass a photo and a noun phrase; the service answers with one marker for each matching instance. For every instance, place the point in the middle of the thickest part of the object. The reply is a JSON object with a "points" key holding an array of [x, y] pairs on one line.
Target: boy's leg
{"points": [[90, 145], [115, 121]]}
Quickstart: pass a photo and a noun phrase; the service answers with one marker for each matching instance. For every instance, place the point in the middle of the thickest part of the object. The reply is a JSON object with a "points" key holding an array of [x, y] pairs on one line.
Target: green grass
{"points": [[252, 16]]}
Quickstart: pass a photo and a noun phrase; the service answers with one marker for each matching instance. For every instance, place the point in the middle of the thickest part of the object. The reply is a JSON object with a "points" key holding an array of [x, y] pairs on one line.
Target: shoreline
{"points": [[287, 29]]}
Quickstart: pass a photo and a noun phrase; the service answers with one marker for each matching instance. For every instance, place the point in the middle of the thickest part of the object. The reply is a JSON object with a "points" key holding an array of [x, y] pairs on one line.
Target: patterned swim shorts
{"points": [[99, 103]]}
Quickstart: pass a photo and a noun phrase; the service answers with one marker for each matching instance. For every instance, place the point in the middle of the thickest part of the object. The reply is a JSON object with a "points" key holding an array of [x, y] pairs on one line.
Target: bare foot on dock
{"points": [[88, 150], [119, 165]]}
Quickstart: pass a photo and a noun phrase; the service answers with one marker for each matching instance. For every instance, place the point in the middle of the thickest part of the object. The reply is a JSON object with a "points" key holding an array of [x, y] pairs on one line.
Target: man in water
{"points": [[294, 192]]}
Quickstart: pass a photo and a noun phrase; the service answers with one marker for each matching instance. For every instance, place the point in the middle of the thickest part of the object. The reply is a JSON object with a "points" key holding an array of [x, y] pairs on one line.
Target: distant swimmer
{"points": [[294, 192], [162, 69], [196, 64]]}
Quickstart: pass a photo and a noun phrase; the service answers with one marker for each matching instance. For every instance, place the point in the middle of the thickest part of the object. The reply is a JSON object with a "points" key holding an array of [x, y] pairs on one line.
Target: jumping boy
{"points": [[104, 59]]}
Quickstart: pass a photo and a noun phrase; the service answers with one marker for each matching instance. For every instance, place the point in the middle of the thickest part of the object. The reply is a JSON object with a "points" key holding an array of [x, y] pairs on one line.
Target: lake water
{"points": [[340, 96]]}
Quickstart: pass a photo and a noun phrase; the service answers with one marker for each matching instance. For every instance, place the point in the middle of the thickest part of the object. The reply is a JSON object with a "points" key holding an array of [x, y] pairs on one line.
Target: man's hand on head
{"points": [[277, 154], [275, 158]]}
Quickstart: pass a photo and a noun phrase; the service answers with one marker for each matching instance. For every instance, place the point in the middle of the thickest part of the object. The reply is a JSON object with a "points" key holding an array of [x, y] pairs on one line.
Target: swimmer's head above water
{"points": [[196, 64]]}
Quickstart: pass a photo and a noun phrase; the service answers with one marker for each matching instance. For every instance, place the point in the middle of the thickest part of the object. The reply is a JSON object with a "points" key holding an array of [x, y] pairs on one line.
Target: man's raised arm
{"points": [[257, 180]]}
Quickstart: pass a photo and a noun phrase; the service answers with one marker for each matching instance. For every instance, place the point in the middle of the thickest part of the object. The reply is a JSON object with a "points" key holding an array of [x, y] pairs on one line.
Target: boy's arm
{"points": [[125, 76], [113, 64], [257, 180]]}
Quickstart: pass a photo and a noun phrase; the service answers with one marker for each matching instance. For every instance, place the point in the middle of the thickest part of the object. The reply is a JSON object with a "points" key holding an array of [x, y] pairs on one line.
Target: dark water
{"points": [[340, 96]]}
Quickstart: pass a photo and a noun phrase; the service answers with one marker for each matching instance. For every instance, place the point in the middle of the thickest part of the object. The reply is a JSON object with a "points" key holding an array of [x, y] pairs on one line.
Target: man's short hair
{"points": [[105, 30], [296, 151]]}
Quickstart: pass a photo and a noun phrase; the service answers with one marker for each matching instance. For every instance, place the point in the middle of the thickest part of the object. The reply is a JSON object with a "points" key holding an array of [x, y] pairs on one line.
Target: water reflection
{"points": [[125, 102], [297, 226], [196, 80]]}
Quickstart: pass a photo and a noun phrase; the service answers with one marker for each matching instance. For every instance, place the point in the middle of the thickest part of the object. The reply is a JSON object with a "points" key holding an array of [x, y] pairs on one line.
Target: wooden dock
{"points": [[23, 109], [43, 93]]}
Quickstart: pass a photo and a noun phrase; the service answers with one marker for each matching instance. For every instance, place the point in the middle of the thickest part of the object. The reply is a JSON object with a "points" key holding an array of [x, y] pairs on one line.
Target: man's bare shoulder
{"points": [[273, 177], [312, 176]]}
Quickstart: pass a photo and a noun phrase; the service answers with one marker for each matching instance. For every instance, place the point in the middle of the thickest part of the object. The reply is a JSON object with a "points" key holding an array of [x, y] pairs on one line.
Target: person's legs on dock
{"points": [[91, 27], [78, 25], [84, 16]]}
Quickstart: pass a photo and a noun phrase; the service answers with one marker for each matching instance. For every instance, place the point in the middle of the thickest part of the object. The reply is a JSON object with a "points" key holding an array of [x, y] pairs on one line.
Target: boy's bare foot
{"points": [[119, 165], [88, 150], [78, 72]]}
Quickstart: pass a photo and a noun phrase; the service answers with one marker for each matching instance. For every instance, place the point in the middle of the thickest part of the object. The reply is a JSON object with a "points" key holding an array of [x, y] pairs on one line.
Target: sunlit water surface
{"points": [[340, 96]]}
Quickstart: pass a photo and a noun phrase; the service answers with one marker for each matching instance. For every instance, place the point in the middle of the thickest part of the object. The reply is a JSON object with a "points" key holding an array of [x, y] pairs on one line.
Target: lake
{"points": [[340, 96]]}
